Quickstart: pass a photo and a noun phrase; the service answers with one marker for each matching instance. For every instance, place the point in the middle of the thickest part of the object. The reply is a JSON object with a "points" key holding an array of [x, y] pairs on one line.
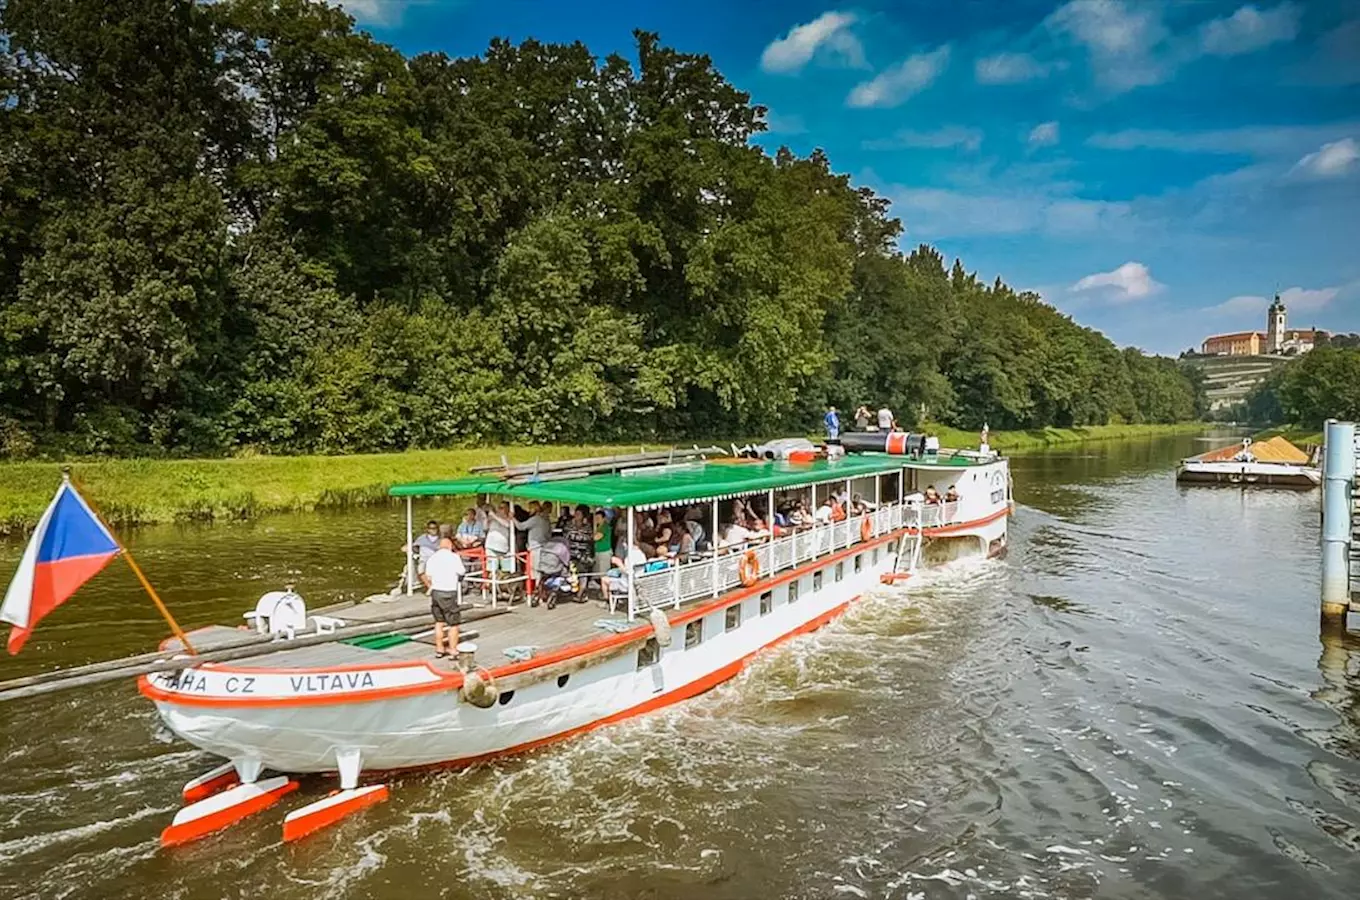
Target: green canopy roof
{"points": [[669, 484]]}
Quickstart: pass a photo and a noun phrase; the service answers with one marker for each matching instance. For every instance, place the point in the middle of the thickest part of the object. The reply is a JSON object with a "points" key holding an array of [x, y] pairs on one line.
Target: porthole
{"points": [[733, 617], [766, 602], [816, 582], [562, 680], [793, 591], [840, 571], [507, 697], [859, 562]]}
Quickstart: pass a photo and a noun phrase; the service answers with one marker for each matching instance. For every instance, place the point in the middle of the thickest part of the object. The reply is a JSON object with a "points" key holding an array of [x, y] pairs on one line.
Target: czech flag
{"points": [[68, 548]]}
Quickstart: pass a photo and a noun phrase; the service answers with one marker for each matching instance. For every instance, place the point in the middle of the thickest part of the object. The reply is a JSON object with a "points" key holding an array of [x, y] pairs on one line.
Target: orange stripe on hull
{"points": [[196, 792], [204, 825], [301, 823]]}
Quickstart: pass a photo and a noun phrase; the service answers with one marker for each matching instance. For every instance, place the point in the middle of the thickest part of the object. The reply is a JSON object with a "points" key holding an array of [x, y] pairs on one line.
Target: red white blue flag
{"points": [[68, 548]]}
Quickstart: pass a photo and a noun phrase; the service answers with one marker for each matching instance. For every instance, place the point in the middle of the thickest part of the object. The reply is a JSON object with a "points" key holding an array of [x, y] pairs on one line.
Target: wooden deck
{"points": [[538, 627]]}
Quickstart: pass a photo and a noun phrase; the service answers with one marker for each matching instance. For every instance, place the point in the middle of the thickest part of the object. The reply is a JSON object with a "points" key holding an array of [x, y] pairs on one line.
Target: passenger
{"points": [[837, 509], [470, 533], [932, 446], [443, 576], [932, 495], [537, 528], [857, 505], [832, 423], [581, 538], [499, 523], [823, 514], [604, 541], [427, 543], [951, 495], [862, 422], [886, 420], [735, 535], [617, 578]]}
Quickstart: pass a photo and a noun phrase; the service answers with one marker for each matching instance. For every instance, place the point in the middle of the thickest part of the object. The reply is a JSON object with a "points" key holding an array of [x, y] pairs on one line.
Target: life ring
{"points": [[749, 568], [866, 528]]}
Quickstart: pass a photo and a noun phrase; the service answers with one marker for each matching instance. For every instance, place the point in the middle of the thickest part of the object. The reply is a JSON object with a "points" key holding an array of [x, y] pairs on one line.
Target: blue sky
{"points": [[1156, 169]]}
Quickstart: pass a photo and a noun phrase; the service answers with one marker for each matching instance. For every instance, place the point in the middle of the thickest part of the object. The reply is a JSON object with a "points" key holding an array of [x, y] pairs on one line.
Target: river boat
{"points": [[1272, 463], [355, 689]]}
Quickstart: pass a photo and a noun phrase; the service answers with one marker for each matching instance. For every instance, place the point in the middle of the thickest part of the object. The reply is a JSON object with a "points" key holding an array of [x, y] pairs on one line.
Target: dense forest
{"points": [[245, 225], [1322, 384]]}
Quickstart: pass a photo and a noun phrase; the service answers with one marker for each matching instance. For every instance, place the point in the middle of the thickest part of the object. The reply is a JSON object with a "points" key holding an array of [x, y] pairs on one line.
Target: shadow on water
{"points": [[1135, 703]]}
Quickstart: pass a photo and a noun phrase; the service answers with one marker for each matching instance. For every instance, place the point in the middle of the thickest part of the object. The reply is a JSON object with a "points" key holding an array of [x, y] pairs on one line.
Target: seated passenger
{"points": [[932, 495], [951, 495], [823, 514], [470, 533], [620, 573], [736, 535]]}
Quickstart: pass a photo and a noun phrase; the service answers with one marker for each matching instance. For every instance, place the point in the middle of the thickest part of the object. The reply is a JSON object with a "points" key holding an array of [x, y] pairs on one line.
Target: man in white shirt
{"points": [[443, 577], [823, 514], [885, 419]]}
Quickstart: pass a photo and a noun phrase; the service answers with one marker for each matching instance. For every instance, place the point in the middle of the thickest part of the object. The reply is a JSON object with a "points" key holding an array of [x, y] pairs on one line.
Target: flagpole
{"points": [[141, 576]]}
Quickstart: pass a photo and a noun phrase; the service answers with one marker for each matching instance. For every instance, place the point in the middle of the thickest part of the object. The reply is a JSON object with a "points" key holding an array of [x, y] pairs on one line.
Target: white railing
{"points": [[706, 576]]}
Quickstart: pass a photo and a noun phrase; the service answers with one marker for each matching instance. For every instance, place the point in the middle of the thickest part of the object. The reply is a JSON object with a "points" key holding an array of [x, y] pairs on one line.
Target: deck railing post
{"points": [[713, 547], [628, 567], [769, 526], [410, 550], [1338, 474]]}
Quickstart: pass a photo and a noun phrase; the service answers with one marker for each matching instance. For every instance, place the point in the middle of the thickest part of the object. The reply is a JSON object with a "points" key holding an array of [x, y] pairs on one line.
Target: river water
{"points": [[1135, 703]]}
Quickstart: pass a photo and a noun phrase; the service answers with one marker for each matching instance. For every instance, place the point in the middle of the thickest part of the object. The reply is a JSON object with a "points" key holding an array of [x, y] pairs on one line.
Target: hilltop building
{"points": [[1276, 340]]}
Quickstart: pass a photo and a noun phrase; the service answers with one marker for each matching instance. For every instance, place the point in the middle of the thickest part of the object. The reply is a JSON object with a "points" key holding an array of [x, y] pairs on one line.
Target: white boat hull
{"points": [[1239, 473], [413, 715]]}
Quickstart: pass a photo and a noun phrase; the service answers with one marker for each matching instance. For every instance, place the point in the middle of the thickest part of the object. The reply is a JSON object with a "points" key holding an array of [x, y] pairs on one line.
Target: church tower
{"points": [[1275, 326]]}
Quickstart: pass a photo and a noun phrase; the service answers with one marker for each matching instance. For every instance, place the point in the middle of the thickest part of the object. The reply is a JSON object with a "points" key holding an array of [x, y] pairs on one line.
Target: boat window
{"points": [[859, 561], [875, 556], [733, 616], [840, 570], [694, 633], [793, 591], [507, 697], [648, 653], [816, 582], [892, 545], [563, 679], [766, 602]]}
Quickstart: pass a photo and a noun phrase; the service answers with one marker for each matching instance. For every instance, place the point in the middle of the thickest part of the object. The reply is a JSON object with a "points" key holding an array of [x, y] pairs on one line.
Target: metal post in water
{"points": [[1337, 476]]}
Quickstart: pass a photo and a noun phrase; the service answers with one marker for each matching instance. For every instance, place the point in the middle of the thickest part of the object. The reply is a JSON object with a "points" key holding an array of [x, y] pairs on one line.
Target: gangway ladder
{"points": [[908, 557]]}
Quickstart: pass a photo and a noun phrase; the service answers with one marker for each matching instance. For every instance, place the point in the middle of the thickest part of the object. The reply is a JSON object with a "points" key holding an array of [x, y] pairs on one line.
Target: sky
{"points": [[1157, 170]]}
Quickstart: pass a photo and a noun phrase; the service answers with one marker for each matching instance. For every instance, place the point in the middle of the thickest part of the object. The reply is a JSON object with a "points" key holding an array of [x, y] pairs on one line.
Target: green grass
{"points": [[146, 491], [1038, 439]]}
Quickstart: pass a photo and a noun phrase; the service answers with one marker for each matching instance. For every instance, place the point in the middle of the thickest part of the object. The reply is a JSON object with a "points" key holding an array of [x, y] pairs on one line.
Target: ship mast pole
{"points": [[628, 566]]}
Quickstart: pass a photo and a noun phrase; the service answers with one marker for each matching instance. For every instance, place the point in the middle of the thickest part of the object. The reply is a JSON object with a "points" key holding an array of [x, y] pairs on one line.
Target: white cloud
{"points": [[1009, 68], [1245, 304], [1249, 29], [1263, 140], [1330, 160], [895, 85], [945, 138], [1130, 281], [1045, 134], [377, 12], [1295, 299], [936, 213], [829, 34], [1120, 40]]}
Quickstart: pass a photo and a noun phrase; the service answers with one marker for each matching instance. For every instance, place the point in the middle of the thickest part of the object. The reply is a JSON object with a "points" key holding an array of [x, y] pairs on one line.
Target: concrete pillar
{"points": [[1337, 475]]}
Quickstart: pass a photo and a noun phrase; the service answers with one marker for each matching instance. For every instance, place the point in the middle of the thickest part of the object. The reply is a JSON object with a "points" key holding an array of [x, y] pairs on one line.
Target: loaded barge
{"points": [[317, 699]]}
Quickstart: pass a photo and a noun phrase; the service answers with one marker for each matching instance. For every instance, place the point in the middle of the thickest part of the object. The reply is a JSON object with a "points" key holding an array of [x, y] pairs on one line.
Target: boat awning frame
{"points": [[669, 485]]}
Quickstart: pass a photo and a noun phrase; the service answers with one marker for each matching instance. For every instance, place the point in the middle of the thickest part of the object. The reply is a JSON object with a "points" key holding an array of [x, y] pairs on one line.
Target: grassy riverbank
{"points": [[1040, 438], [146, 491]]}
